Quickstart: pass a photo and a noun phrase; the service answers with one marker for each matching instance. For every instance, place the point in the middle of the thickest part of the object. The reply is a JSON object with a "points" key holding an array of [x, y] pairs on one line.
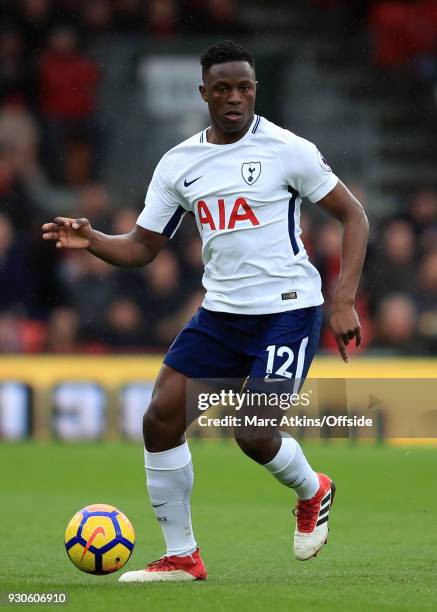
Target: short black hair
{"points": [[225, 51]]}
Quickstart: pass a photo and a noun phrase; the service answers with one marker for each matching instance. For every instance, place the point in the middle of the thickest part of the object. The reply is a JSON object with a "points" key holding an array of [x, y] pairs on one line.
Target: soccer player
{"points": [[243, 178]]}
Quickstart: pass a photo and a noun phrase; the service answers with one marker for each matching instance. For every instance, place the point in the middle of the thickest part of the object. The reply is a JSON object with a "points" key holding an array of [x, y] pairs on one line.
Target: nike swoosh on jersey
{"points": [[188, 183], [159, 505]]}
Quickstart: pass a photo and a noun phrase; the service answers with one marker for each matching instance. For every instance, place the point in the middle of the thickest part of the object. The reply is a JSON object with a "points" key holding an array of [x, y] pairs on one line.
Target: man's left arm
{"points": [[343, 319]]}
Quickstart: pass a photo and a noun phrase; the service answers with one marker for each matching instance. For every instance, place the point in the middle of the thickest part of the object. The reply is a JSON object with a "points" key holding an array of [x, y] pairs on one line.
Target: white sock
{"points": [[292, 469], [170, 479]]}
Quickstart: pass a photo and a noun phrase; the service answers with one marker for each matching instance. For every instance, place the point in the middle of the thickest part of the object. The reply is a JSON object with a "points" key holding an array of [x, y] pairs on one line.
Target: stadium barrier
{"points": [[93, 397]]}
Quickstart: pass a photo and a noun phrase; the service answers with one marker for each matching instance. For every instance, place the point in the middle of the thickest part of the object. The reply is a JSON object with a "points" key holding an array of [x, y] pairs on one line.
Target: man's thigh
{"points": [[207, 349]]}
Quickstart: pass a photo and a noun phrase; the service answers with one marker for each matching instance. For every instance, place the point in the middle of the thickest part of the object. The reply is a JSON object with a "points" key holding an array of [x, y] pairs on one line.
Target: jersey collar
{"points": [[253, 128]]}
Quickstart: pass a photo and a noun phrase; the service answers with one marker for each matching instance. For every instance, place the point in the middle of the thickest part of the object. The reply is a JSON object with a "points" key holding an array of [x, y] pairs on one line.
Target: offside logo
{"points": [[250, 171]]}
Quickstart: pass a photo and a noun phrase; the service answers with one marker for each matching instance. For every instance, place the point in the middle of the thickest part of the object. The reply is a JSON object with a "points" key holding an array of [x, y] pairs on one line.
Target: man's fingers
{"points": [[50, 227], [50, 236], [79, 223], [64, 221], [342, 348], [344, 339], [347, 336], [358, 336]]}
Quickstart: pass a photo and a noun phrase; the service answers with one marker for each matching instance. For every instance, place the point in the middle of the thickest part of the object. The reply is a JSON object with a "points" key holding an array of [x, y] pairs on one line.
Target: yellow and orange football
{"points": [[99, 539]]}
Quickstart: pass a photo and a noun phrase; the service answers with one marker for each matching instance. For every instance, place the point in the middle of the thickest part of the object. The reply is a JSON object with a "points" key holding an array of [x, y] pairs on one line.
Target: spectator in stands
{"points": [[427, 301], [422, 216], [97, 16], [396, 326], [36, 18], [163, 287], [125, 328], [89, 290], [191, 15], [10, 338], [19, 134], [63, 331], [222, 17], [68, 83], [124, 220], [15, 74], [15, 199], [392, 266], [403, 31], [127, 15], [161, 17], [127, 282], [389, 22], [15, 281], [95, 205]]}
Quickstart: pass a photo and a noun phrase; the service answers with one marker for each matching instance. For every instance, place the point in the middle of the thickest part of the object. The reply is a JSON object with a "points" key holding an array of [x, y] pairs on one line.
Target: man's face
{"points": [[230, 91]]}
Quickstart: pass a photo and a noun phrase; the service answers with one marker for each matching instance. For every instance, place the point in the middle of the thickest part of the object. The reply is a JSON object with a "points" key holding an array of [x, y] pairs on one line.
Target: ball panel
{"points": [[73, 526], [98, 531], [100, 508], [115, 558], [126, 528], [86, 562]]}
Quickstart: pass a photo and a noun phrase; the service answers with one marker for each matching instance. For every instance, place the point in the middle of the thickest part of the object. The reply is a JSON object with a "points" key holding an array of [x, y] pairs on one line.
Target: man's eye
{"points": [[245, 87], [222, 89]]}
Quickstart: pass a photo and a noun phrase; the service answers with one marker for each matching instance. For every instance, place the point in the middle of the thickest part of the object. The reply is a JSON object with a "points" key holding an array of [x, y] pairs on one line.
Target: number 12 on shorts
{"points": [[286, 357]]}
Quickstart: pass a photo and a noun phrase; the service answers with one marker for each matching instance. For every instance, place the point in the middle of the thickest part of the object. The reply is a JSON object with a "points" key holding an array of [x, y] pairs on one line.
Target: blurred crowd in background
{"points": [[52, 147]]}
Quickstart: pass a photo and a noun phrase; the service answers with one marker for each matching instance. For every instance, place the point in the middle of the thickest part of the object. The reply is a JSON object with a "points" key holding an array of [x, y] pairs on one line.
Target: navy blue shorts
{"points": [[218, 345]]}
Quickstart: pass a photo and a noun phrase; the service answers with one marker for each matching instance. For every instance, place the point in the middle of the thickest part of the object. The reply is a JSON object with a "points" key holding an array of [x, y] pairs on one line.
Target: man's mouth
{"points": [[233, 115]]}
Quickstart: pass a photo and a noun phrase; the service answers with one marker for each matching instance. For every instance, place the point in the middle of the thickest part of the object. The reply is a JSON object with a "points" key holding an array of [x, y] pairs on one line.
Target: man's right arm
{"points": [[134, 249]]}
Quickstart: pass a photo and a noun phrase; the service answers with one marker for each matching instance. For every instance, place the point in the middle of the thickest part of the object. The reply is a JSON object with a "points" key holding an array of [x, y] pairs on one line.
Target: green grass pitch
{"points": [[381, 553]]}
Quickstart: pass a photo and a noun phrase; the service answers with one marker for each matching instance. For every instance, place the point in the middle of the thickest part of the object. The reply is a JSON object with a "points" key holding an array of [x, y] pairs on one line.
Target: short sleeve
{"points": [[306, 170], [163, 208]]}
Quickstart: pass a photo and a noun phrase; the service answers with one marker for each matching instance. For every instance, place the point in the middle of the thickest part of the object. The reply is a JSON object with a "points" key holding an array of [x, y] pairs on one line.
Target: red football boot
{"points": [[170, 569], [311, 532]]}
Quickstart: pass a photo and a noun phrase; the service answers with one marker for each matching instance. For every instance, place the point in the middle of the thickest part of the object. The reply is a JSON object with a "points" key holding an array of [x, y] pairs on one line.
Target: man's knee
{"points": [[252, 447], [163, 425], [261, 450], [150, 418], [156, 417]]}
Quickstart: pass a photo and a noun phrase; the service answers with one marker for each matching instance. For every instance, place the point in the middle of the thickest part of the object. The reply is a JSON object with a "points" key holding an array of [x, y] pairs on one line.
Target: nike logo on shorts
{"points": [[267, 379]]}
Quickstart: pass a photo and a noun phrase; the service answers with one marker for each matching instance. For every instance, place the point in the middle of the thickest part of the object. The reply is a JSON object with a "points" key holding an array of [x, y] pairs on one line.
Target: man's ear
{"points": [[202, 90]]}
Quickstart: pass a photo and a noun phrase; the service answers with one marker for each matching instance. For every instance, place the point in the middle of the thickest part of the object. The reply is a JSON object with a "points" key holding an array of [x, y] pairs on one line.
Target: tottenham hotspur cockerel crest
{"points": [[251, 171]]}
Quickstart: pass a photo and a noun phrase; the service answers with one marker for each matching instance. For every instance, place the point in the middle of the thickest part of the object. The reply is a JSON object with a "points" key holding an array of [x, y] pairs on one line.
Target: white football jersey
{"points": [[246, 199]]}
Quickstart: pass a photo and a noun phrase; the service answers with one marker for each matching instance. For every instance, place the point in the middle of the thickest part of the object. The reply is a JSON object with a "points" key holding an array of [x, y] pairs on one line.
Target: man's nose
{"points": [[234, 96]]}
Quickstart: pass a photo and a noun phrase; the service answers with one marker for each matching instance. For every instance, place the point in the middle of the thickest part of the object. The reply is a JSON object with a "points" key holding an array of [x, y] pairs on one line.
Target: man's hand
{"points": [[345, 326], [68, 233]]}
